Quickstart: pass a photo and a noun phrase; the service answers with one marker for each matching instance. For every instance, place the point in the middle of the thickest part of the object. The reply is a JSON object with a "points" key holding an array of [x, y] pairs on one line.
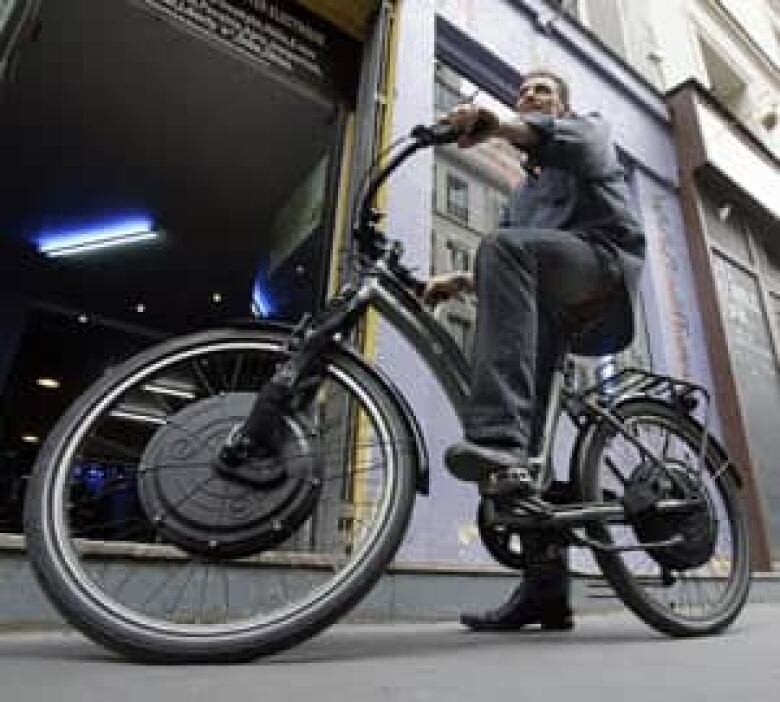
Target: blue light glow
{"points": [[118, 232], [261, 304]]}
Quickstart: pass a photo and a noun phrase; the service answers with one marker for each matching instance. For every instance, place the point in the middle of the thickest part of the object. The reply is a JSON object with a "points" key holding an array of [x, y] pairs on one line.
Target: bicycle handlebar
{"points": [[436, 134], [371, 242], [422, 137]]}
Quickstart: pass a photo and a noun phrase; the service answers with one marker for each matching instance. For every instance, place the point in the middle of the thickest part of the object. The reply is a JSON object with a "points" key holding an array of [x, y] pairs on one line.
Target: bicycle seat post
{"points": [[562, 379]]}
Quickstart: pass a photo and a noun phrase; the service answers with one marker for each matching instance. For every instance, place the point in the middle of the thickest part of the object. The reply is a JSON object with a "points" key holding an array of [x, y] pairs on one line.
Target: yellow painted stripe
{"points": [[341, 220], [351, 16], [371, 328], [366, 439]]}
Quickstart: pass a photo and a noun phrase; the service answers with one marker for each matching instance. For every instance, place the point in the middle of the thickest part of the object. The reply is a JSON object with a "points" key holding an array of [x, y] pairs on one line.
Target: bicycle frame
{"points": [[386, 285]]}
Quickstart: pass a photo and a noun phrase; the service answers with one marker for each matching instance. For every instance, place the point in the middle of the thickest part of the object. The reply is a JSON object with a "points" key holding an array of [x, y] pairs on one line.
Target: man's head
{"points": [[543, 91]]}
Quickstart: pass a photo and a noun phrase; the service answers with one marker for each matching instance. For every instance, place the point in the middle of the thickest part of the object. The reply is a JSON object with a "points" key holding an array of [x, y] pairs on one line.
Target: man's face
{"points": [[540, 94]]}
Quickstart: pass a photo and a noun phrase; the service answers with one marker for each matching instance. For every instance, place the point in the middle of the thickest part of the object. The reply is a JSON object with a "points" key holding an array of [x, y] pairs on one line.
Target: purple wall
{"points": [[443, 528]]}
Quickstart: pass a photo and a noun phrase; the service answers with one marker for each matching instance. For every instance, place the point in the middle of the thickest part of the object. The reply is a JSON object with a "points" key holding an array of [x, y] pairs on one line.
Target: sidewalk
{"points": [[607, 657]]}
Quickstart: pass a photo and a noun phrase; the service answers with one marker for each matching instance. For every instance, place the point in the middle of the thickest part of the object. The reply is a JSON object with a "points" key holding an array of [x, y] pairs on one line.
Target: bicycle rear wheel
{"points": [[700, 585], [142, 544]]}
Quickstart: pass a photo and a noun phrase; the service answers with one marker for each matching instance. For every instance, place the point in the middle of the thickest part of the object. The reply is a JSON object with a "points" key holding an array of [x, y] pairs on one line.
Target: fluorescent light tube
{"points": [[59, 244]]}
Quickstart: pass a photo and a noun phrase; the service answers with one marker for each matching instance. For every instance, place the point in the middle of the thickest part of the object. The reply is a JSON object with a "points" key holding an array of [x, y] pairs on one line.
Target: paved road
{"points": [[607, 657]]}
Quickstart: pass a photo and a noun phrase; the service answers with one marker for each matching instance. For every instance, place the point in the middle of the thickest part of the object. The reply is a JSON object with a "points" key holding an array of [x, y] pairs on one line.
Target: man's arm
{"points": [[580, 144], [479, 124], [443, 287], [518, 133]]}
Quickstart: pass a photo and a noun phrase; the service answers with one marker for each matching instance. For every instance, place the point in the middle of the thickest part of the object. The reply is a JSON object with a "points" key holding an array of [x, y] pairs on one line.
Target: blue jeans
{"points": [[528, 281]]}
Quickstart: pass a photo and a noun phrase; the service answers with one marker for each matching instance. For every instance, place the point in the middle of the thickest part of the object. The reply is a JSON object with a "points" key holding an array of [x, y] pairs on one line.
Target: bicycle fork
{"points": [[260, 433]]}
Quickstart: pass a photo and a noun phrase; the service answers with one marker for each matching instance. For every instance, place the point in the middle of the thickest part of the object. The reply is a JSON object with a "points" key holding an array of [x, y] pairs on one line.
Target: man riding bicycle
{"points": [[559, 274]]}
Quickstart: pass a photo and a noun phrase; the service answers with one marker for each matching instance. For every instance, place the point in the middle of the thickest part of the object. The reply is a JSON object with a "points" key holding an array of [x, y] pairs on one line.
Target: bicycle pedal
{"points": [[534, 505], [507, 512]]}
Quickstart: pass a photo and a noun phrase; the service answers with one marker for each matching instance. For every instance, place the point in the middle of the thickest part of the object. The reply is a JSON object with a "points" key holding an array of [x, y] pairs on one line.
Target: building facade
{"points": [[444, 201], [316, 88], [719, 63]]}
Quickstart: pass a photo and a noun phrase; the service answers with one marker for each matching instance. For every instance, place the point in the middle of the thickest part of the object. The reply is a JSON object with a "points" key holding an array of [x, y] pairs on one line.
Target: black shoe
{"points": [[527, 606], [499, 471]]}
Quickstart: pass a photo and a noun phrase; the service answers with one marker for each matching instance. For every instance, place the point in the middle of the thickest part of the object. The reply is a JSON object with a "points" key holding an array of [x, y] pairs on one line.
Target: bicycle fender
{"points": [[723, 458]]}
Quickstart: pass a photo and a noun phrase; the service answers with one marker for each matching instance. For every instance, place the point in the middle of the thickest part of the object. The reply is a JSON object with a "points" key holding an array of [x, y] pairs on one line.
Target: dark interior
{"points": [[112, 113]]}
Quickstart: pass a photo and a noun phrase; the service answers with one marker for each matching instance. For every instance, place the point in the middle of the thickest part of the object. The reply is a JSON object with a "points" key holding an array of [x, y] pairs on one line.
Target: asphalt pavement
{"points": [[606, 657]]}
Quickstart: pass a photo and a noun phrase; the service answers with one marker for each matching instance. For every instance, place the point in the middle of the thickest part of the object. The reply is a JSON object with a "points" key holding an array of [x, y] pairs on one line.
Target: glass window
{"points": [[460, 256], [766, 235], [723, 223], [756, 373], [144, 223], [726, 84], [457, 197]]}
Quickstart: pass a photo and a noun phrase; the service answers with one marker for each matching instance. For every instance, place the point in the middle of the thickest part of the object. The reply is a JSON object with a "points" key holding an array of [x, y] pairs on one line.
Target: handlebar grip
{"points": [[445, 133], [436, 134]]}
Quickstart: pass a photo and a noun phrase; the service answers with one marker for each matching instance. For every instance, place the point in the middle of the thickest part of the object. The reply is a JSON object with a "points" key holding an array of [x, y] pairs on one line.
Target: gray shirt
{"points": [[581, 186]]}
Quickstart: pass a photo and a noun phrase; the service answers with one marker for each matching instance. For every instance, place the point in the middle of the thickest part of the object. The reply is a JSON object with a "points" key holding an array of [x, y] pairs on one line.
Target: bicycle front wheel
{"points": [[146, 547], [698, 585]]}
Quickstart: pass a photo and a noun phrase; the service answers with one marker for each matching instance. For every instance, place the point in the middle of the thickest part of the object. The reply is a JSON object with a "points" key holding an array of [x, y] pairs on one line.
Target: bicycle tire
{"points": [[635, 589], [106, 622]]}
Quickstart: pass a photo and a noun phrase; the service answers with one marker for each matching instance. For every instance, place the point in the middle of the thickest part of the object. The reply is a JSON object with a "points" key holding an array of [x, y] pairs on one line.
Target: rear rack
{"points": [[682, 395]]}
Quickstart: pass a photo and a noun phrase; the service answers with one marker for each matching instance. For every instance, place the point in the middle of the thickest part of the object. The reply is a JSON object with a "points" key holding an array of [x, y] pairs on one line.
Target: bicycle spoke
{"points": [[702, 590], [151, 567]]}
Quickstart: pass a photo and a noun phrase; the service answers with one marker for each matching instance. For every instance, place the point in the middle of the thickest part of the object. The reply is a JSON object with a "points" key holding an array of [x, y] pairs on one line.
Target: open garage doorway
{"points": [[154, 181]]}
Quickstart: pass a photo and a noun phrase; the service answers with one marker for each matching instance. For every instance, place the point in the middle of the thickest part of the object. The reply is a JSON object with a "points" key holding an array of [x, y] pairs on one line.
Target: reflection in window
{"points": [[457, 197], [724, 224], [470, 189], [446, 97], [460, 256]]}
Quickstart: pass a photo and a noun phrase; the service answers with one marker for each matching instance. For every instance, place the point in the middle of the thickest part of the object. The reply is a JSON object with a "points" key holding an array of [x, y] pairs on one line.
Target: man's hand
{"points": [[443, 287], [476, 123]]}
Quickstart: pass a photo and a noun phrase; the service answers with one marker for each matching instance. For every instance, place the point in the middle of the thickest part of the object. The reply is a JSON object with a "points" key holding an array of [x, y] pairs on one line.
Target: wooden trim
{"points": [[341, 234], [351, 17], [691, 156]]}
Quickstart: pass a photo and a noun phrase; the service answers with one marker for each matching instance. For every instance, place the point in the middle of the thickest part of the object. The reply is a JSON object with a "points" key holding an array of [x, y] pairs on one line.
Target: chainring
{"points": [[696, 527], [499, 542], [512, 547], [198, 508]]}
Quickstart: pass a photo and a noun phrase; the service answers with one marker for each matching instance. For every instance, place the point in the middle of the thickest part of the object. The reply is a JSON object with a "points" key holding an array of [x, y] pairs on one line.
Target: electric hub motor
{"points": [[203, 510], [696, 526]]}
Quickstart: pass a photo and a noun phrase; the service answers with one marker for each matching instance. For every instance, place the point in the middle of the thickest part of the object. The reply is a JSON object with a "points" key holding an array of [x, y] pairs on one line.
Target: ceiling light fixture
{"points": [[30, 439], [140, 308], [261, 304], [71, 243], [216, 297], [48, 383]]}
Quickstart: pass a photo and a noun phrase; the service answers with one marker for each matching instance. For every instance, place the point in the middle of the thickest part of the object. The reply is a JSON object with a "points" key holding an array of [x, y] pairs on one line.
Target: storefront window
{"points": [[460, 256], [457, 198], [153, 183], [471, 188], [470, 201], [746, 267]]}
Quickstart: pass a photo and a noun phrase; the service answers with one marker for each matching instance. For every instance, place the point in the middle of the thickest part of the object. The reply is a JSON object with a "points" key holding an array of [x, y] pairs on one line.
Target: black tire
{"points": [[701, 600], [86, 601]]}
